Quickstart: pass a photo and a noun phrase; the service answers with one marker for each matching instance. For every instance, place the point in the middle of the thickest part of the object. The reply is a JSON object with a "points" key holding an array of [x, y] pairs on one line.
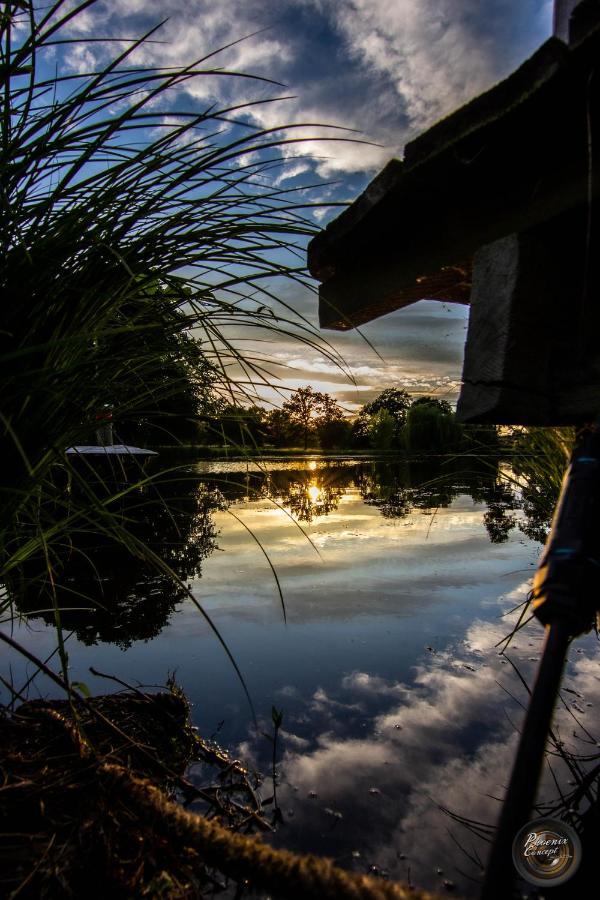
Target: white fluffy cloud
{"points": [[385, 69], [444, 741]]}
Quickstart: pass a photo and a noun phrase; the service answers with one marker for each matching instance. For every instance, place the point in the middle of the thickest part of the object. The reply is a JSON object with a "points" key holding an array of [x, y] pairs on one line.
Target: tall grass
{"points": [[137, 227], [540, 457]]}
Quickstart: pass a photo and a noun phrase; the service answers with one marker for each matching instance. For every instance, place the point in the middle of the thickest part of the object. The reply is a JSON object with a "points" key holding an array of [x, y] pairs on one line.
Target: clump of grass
{"points": [[63, 820], [133, 236], [539, 460], [137, 227]]}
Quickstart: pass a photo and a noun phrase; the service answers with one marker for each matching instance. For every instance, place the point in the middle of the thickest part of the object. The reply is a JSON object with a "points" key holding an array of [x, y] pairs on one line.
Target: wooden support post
{"points": [[562, 14], [533, 355]]}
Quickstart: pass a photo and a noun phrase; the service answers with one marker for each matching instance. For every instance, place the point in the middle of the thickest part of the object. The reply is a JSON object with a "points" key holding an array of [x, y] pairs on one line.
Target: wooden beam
{"points": [[377, 293], [532, 355], [508, 161], [562, 16]]}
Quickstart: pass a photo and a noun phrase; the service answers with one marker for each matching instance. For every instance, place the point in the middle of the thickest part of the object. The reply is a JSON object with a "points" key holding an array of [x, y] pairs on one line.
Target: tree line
{"points": [[393, 421]]}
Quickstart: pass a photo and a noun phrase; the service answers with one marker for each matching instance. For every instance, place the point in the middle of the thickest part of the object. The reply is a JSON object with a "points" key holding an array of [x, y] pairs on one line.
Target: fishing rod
{"points": [[566, 598]]}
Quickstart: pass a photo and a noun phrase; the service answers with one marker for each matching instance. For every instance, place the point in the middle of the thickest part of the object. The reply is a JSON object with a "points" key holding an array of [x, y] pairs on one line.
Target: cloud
{"points": [[385, 70], [419, 348], [374, 685], [433, 54], [444, 740]]}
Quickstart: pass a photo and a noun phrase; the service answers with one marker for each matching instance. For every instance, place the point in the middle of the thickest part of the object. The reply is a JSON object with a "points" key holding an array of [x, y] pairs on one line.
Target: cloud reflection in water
{"points": [[383, 757]]}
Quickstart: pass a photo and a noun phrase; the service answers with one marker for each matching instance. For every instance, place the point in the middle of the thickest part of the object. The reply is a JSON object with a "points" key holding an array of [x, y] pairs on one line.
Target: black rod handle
{"points": [[521, 791]]}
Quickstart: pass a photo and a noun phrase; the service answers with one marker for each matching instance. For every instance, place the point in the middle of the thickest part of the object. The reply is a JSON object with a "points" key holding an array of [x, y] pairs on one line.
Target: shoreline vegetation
{"points": [[393, 422], [163, 836]]}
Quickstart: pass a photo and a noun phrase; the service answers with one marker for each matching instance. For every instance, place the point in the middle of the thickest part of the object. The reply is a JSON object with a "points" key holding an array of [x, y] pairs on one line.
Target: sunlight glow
{"points": [[314, 492]]}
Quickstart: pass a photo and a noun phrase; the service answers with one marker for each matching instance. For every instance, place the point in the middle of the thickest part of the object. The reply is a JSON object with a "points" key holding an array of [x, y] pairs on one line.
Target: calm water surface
{"points": [[400, 716]]}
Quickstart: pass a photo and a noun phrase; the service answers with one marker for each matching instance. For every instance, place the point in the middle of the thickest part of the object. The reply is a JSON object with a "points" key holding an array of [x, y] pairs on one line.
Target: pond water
{"points": [[397, 580]]}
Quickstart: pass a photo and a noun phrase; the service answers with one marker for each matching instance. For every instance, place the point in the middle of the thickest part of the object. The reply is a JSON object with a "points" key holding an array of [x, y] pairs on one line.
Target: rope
{"points": [[285, 874]]}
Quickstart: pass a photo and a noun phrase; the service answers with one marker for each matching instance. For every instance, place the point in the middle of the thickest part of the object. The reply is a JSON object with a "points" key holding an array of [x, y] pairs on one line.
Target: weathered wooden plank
{"points": [[366, 222], [321, 250], [369, 294], [518, 158], [562, 16], [505, 373], [532, 355], [583, 19]]}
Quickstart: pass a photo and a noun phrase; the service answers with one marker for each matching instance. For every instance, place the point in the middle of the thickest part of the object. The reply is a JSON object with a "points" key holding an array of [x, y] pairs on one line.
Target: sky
{"points": [[387, 69]]}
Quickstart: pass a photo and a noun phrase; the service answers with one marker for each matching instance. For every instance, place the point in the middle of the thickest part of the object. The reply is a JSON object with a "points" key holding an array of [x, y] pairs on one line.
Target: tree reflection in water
{"points": [[390, 706], [310, 494], [397, 488], [107, 592]]}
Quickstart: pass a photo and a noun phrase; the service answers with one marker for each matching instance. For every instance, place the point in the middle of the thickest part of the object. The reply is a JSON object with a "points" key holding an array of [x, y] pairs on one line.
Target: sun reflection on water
{"points": [[314, 492]]}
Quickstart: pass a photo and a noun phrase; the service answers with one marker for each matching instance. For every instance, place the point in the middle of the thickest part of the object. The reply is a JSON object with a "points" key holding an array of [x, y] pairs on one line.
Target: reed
{"points": [[138, 231]]}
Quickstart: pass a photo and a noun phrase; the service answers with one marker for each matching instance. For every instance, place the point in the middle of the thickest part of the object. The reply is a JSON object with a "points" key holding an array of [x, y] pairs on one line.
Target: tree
{"points": [[334, 433], [240, 425], [161, 382], [429, 429], [281, 431], [306, 408], [394, 401], [382, 430], [331, 426], [442, 405]]}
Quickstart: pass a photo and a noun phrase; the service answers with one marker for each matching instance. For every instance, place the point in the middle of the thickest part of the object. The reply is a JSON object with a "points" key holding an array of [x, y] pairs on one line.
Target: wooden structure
{"points": [[496, 206]]}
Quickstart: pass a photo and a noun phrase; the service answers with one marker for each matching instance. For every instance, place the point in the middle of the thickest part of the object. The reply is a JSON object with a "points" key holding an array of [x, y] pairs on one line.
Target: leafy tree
{"points": [[306, 407], [281, 430], [178, 381], [429, 429], [334, 433], [332, 428], [382, 430], [240, 425], [442, 405], [394, 401]]}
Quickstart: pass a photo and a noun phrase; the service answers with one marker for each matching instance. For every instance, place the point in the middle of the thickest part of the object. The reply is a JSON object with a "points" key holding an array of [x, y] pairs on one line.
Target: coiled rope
{"points": [[285, 874]]}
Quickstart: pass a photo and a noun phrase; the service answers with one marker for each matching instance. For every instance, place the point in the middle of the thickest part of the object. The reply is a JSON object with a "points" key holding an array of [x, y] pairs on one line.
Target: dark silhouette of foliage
{"points": [[382, 430], [104, 590], [429, 428], [282, 430], [394, 401], [442, 405], [312, 410], [239, 426]]}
